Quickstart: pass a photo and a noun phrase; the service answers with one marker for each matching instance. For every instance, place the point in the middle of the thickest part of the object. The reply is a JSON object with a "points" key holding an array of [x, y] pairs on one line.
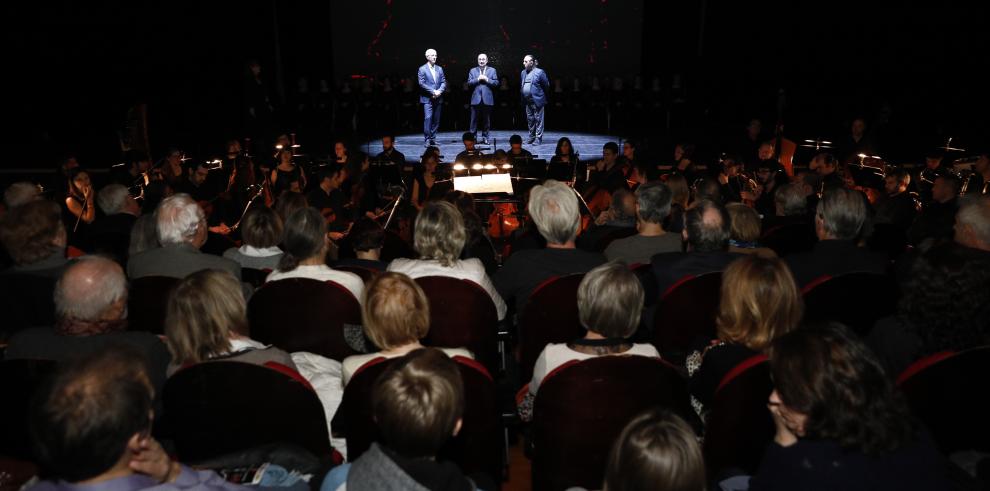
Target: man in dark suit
{"points": [[838, 222], [706, 233], [431, 86], [390, 154], [482, 79], [534, 86]]}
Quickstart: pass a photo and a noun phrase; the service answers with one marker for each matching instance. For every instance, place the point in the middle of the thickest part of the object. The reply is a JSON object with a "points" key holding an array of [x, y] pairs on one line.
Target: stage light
{"points": [[278, 147], [506, 166], [459, 167], [477, 167], [489, 167]]}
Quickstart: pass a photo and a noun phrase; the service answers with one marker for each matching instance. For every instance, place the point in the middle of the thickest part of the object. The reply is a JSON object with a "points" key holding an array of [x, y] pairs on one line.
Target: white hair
{"points": [[179, 219], [20, 193], [112, 198], [88, 287], [975, 213], [431, 50], [554, 209]]}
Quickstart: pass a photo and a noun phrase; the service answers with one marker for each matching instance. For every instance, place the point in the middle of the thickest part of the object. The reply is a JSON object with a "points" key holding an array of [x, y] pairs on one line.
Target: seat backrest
{"points": [[739, 426], [216, 408], [147, 302], [255, 277], [685, 312], [19, 379], [857, 300], [550, 316], [644, 273], [26, 301], [365, 273], [948, 394], [302, 314], [477, 448], [462, 315], [580, 410], [790, 238]]}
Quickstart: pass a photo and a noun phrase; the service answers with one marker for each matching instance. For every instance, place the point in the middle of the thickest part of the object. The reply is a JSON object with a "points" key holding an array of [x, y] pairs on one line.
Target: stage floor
{"points": [[588, 147]]}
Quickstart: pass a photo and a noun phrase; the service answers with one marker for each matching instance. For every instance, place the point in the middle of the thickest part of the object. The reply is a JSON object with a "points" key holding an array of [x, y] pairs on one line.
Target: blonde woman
{"points": [[760, 302]]}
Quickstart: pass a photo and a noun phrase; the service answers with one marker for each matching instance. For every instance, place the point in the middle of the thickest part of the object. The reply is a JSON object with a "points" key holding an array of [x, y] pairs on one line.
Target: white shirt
{"points": [[433, 71], [353, 363], [463, 269], [322, 272], [253, 251], [555, 355]]}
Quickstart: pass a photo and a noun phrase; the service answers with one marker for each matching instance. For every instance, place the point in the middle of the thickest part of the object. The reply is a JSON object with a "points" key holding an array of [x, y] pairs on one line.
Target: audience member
{"points": [[439, 237], [656, 450], [144, 235], [261, 232], [554, 209], [652, 208], [973, 224], [367, 239], [840, 423], [34, 237], [111, 233], [744, 231], [304, 247], [396, 315], [706, 233], [680, 195], [20, 193]]}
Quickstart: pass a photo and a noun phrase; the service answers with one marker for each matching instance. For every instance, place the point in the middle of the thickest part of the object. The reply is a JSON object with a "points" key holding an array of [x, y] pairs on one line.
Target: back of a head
{"points": [[304, 237], [91, 289], [973, 223], [144, 234], [20, 193], [82, 421], [367, 234], [610, 299], [708, 189], [745, 225], [842, 213], [288, 202], [112, 198], [555, 212], [262, 228], [179, 220], [656, 450], [680, 193], [417, 403], [32, 232], [654, 200], [707, 225], [828, 374], [204, 310], [439, 232], [791, 200], [395, 311], [759, 302]]}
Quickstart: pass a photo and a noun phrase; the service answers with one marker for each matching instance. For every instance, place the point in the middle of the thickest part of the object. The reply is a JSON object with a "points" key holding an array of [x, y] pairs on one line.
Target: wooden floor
{"points": [[587, 146], [520, 470]]}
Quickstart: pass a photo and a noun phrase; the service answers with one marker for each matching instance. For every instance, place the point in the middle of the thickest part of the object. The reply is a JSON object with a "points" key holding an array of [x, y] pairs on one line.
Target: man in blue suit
{"points": [[431, 87], [534, 86], [482, 79]]}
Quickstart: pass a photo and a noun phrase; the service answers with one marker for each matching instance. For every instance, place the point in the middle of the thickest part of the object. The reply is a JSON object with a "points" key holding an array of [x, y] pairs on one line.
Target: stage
{"points": [[588, 147]]}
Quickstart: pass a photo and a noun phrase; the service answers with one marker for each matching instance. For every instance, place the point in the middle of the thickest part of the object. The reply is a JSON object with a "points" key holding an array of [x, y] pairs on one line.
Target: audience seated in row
{"points": [[305, 244], [182, 231], [706, 233], [111, 233], [396, 316], [439, 238], [34, 237], [261, 233], [839, 422], [554, 209], [745, 230], [652, 208], [759, 303], [367, 239]]}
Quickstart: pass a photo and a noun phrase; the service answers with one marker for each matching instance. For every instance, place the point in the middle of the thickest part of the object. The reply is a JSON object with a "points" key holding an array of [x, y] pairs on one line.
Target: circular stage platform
{"points": [[588, 147]]}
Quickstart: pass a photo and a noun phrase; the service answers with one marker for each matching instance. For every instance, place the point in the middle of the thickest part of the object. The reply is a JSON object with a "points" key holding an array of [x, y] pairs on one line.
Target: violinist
{"points": [[195, 182], [609, 173], [898, 207], [425, 183], [564, 163], [683, 163], [172, 171], [389, 153], [329, 198], [934, 166], [732, 179], [827, 166]]}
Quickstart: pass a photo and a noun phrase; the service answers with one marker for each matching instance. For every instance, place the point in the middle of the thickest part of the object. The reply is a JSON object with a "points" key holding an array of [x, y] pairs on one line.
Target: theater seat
{"points": [[147, 302], [739, 426], [857, 300], [216, 408], [301, 314], [477, 448], [685, 312], [581, 408], [947, 392], [462, 315], [254, 277], [19, 379], [26, 301], [550, 316]]}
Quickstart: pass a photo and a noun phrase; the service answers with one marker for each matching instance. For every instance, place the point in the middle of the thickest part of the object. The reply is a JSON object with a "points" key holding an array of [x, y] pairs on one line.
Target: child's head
{"points": [[418, 403], [656, 450]]}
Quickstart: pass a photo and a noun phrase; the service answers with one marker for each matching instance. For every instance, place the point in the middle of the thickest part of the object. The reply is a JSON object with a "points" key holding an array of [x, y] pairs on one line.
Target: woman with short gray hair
{"points": [[439, 238]]}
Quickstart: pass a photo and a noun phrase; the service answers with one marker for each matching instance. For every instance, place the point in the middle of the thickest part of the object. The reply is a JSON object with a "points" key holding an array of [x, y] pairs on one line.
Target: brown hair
{"points": [[204, 310], [656, 450], [417, 402], [760, 301], [680, 193], [262, 228], [395, 311], [744, 222], [32, 232]]}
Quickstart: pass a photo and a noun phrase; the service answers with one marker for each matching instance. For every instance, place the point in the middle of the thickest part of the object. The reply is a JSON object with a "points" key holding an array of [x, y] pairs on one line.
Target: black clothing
{"points": [[361, 263], [285, 178], [899, 210], [937, 221], [333, 201], [526, 269], [834, 257], [671, 267], [111, 235], [716, 363]]}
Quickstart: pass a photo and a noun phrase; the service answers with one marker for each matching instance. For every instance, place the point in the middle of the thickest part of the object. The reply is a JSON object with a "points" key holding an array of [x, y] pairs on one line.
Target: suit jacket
{"points": [[177, 261], [541, 85], [427, 85], [482, 91], [834, 257], [671, 267]]}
